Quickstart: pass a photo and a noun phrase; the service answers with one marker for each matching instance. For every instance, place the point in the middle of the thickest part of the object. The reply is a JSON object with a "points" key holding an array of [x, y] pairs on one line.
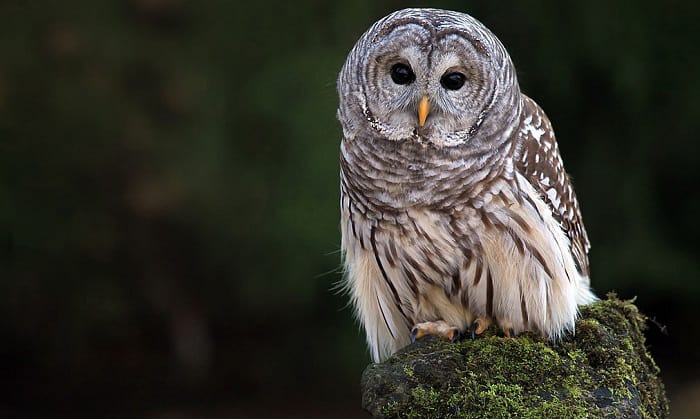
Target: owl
{"points": [[456, 211]]}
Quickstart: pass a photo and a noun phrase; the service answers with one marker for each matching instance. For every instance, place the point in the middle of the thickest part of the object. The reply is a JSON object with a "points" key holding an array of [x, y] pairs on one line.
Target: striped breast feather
{"points": [[540, 162]]}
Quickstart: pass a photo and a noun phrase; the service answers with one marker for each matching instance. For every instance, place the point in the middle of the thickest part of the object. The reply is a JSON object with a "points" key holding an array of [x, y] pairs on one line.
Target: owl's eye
{"points": [[402, 74], [453, 81]]}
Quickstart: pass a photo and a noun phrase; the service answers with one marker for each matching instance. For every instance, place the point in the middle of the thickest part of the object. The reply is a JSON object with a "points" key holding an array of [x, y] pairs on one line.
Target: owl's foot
{"points": [[439, 328], [479, 326], [508, 330]]}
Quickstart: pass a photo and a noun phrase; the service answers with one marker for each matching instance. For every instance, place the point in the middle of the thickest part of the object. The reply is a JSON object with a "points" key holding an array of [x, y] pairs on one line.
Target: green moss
{"points": [[604, 370]]}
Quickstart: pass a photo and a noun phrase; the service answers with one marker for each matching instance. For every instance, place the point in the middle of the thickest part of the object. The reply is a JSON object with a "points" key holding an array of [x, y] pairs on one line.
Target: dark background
{"points": [[169, 188]]}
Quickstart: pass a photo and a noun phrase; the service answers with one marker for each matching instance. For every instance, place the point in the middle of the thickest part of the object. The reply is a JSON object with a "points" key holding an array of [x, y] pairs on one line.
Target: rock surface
{"points": [[604, 370]]}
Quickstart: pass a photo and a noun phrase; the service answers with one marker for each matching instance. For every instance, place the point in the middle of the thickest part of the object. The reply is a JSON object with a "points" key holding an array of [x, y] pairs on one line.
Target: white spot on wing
{"points": [[553, 197], [534, 130]]}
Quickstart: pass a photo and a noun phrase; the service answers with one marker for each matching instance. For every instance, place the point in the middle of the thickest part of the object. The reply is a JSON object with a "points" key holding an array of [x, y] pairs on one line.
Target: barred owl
{"points": [[456, 209]]}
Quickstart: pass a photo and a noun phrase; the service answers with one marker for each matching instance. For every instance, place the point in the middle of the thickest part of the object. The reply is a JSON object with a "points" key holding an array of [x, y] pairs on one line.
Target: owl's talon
{"points": [[439, 328], [473, 328], [508, 329], [479, 326]]}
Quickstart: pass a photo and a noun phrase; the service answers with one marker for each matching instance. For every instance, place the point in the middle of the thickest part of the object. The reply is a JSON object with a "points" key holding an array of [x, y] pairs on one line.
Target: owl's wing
{"points": [[539, 161]]}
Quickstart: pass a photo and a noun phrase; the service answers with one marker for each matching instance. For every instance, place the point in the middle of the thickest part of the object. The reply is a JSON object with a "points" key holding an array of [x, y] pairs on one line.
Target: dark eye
{"points": [[402, 74], [453, 81]]}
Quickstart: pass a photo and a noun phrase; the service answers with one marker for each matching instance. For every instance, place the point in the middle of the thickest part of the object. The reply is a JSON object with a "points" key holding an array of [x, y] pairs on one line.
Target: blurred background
{"points": [[169, 188]]}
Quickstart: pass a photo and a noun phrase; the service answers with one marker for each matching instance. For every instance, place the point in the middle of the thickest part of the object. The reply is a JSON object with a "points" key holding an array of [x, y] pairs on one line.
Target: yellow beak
{"points": [[423, 109]]}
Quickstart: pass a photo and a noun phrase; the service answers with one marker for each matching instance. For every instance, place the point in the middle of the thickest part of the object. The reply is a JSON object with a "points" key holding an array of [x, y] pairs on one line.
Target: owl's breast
{"points": [[391, 176]]}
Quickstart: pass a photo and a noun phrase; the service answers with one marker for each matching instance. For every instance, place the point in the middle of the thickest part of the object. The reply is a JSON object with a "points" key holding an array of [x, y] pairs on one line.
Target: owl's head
{"points": [[433, 76]]}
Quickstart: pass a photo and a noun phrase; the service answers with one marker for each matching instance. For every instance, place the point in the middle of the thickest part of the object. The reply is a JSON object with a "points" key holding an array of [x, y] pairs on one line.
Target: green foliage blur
{"points": [[169, 188]]}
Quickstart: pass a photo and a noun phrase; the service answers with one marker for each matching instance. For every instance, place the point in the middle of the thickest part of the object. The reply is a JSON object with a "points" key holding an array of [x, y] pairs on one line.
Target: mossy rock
{"points": [[604, 370]]}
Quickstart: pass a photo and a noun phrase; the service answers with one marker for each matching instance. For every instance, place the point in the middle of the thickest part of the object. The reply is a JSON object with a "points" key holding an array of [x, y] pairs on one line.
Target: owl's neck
{"points": [[391, 176]]}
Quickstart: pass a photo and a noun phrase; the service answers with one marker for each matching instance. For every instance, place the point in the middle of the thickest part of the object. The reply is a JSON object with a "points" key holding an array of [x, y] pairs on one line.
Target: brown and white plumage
{"points": [[469, 215]]}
